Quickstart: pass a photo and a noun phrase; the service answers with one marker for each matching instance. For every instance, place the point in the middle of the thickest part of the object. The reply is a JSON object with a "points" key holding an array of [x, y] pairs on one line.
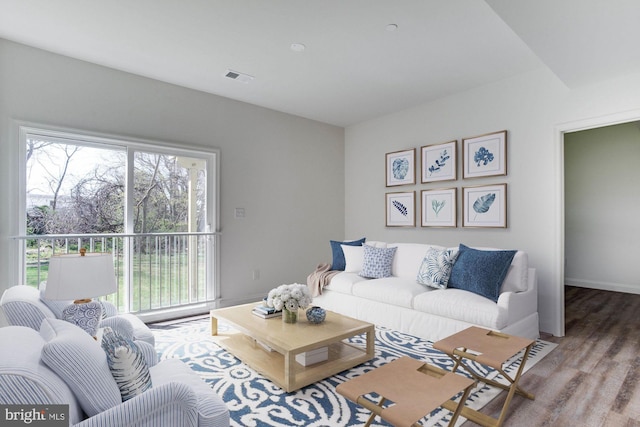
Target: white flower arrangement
{"points": [[292, 297]]}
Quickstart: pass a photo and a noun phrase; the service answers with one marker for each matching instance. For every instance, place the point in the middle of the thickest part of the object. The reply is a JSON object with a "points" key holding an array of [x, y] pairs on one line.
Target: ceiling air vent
{"points": [[238, 76]]}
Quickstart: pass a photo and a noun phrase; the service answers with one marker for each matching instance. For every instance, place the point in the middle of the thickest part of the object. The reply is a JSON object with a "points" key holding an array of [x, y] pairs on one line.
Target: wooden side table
{"points": [[415, 388], [492, 349]]}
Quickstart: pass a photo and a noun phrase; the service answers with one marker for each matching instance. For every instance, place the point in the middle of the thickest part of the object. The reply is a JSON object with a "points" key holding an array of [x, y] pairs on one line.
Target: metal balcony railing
{"points": [[155, 272]]}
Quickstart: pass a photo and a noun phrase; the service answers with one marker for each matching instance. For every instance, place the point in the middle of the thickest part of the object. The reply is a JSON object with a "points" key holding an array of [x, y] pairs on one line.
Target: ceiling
{"points": [[353, 67]]}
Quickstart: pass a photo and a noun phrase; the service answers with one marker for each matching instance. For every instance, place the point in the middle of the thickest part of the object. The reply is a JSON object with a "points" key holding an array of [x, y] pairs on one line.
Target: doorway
{"points": [[561, 131], [602, 201]]}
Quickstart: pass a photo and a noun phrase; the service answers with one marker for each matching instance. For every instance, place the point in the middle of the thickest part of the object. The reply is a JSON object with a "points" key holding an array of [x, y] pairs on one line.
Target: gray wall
{"points": [[602, 203], [285, 171], [536, 109]]}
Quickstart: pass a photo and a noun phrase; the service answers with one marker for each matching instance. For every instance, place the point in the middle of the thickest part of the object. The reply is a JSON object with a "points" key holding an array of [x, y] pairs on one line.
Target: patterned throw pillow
{"points": [[87, 316], [436, 268], [377, 262], [127, 364]]}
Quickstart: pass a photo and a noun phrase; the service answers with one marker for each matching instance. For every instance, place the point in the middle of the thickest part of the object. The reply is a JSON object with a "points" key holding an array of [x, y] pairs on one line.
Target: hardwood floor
{"points": [[593, 377]]}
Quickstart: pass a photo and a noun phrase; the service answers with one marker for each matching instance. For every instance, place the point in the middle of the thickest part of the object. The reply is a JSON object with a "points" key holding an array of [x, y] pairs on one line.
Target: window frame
{"points": [[130, 146]]}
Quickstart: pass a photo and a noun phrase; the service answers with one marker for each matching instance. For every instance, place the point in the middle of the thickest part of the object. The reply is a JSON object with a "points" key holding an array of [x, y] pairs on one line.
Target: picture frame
{"points": [[439, 162], [485, 206], [400, 209], [439, 207], [400, 167], [485, 155]]}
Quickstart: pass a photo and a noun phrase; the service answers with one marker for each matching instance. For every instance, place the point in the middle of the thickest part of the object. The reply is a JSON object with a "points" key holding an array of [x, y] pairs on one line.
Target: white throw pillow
{"points": [[353, 256]]}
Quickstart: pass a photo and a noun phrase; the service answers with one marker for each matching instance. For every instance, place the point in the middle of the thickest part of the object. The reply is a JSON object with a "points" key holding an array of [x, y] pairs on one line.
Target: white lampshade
{"points": [[77, 277]]}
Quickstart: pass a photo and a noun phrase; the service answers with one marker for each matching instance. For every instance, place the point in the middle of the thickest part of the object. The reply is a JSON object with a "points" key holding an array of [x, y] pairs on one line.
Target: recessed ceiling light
{"points": [[297, 47], [392, 27]]}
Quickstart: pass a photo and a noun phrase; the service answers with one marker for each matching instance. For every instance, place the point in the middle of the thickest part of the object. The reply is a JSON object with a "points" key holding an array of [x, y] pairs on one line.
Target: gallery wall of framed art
{"points": [[482, 206]]}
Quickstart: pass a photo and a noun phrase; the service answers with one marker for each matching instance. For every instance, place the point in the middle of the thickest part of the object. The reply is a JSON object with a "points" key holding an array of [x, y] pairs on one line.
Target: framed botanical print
{"points": [[400, 209], [484, 206], [485, 155], [439, 162], [439, 208], [401, 167]]}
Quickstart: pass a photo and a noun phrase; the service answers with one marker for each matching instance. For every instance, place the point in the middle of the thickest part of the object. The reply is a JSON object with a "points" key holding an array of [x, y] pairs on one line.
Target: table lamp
{"points": [[80, 276]]}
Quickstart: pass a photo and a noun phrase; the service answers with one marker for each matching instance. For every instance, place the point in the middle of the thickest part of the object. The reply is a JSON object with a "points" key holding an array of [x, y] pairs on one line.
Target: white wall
{"points": [[535, 108], [602, 202], [286, 171]]}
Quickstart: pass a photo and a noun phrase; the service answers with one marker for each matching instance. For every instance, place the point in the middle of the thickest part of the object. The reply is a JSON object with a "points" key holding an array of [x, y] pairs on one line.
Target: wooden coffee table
{"points": [[270, 346]]}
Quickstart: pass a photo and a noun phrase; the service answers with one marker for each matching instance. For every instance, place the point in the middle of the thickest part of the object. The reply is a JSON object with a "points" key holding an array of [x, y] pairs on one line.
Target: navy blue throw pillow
{"points": [[480, 272], [338, 256]]}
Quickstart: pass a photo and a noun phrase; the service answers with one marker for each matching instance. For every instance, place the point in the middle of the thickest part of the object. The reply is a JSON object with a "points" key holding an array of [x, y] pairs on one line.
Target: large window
{"points": [[152, 205]]}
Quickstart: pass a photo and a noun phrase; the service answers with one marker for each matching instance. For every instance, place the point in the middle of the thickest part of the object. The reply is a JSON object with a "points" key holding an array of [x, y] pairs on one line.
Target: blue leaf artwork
{"points": [[483, 156], [400, 207], [437, 206], [400, 168], [440, 163], [483, 203]]}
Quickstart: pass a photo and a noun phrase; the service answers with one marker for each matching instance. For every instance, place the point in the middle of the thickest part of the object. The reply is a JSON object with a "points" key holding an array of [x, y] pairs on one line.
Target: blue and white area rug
{"points": [[256, 401]]}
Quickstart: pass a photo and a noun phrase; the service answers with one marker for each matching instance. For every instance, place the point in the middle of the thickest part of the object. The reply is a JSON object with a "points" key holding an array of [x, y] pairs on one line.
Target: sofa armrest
{"points": [[149, 352], [110, 310], [118, 324], [22, 307], [518, 305], [168, 404]]}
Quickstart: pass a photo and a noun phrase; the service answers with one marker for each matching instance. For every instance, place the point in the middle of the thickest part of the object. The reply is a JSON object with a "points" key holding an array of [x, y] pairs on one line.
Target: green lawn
{"points": [[158, 281]]}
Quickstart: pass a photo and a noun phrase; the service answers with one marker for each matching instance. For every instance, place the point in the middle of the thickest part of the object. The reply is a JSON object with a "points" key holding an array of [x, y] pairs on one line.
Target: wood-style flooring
{"points": [[593, 377]]}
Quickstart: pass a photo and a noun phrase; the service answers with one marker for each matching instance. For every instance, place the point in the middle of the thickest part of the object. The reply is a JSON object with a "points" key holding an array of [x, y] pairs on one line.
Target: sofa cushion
{"points": [[436, 268], [80, 361], [390, 290], [408, 258], [377, 262], [462, 305], [353, 258], [127, 364], [481, 272], [338, 262], [343, 282]]}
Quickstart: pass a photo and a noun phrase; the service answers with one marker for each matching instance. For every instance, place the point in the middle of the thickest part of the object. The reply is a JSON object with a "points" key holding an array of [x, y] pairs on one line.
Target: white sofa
{"points": [[401, 303]]}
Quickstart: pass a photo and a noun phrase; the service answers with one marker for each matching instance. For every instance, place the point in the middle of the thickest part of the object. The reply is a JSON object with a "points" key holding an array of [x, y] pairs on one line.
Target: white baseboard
{"points": [[604, 286]]}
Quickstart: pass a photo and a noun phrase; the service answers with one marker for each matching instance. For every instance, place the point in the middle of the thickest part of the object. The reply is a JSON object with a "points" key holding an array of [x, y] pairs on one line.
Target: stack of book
{"points": [[266, 312]]}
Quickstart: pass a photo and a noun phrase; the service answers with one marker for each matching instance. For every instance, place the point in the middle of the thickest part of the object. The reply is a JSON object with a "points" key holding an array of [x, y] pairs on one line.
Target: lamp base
{"points": [[82, 301]]}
